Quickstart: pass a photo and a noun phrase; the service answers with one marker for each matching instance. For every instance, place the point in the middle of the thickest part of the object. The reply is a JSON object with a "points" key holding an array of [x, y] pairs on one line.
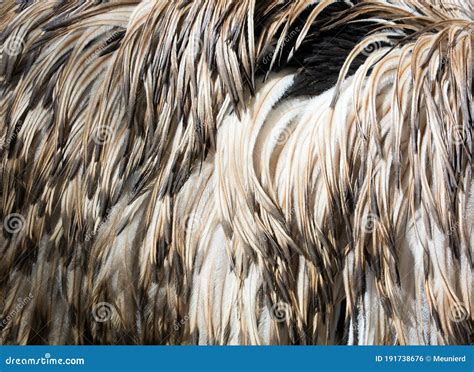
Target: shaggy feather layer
{"points": [[159, 165]]}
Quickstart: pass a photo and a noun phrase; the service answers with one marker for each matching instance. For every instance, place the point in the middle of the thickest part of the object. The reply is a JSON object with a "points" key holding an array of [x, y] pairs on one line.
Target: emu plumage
{"points": [[237, 171]]}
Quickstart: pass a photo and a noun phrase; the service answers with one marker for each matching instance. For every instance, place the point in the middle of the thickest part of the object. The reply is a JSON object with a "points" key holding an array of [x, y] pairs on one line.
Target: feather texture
{"points": [[236, 172]]}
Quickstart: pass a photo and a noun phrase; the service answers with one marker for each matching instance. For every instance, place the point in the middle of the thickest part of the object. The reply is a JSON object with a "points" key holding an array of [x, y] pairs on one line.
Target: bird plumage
{"points": [[246, 172]]}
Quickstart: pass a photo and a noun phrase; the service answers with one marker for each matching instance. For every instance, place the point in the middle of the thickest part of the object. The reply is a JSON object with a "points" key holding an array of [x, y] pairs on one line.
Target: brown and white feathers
{"points": [[244, 172]]}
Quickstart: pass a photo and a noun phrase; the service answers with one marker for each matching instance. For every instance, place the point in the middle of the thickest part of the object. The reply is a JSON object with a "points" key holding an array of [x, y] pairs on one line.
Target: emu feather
{"points": [[236, 172]]}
